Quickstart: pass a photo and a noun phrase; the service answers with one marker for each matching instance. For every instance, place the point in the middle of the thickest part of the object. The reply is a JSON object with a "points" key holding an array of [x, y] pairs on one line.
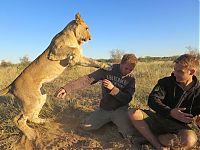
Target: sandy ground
{"points": [[64, 134]]}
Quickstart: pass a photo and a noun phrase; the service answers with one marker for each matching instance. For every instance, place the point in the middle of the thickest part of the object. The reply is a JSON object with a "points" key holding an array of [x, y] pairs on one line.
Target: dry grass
{"points": [[63, 131]]}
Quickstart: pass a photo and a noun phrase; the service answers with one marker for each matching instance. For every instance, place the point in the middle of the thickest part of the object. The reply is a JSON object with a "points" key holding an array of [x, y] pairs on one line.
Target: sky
{"points": [[142, 27]]}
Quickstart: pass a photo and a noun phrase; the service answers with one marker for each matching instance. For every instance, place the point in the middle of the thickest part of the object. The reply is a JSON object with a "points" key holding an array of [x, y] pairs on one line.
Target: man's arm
{"points": [[155, 102], [155, 99], [80, 83]]}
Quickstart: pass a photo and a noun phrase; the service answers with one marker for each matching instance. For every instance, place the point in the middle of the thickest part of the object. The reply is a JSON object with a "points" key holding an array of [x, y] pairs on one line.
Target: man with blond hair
{"points": [[175, 106], [118, 87]]}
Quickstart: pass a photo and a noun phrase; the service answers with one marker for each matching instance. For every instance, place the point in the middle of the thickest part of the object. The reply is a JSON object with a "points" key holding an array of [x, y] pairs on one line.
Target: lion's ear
{"points": [[78, 18]]}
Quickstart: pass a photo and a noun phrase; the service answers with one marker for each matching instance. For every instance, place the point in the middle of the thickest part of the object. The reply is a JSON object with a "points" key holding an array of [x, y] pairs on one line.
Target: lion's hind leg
{"points": [[33, 113], [21, 122]]}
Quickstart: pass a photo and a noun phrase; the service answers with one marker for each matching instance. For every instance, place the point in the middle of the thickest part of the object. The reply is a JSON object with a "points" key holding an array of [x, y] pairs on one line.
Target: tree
{"points": [[5, 63], [193, 51], [116, 55], [24, 60]]}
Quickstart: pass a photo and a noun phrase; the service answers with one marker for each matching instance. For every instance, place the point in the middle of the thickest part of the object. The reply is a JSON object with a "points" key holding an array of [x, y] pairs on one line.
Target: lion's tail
{"points": [[4, 91]]}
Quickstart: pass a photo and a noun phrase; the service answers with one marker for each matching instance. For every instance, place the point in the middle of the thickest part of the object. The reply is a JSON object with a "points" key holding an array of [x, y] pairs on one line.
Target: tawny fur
{"points": [[63, 50]]}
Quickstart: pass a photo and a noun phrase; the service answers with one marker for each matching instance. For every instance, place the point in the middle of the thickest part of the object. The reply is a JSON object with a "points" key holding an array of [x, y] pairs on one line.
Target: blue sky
{"points": [[143, 27]]}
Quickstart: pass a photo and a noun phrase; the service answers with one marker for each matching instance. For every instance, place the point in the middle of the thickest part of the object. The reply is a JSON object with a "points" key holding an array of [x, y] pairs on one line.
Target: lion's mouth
{"points": [[81, 41]]}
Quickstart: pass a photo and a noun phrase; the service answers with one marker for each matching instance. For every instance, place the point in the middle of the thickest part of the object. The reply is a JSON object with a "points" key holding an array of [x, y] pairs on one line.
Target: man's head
{"points": [[185, 67], [128, 63]]}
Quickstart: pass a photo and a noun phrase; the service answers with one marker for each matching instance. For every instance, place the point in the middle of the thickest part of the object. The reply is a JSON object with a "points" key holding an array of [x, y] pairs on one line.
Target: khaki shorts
{"points": [[119, 117], [161, 125]]}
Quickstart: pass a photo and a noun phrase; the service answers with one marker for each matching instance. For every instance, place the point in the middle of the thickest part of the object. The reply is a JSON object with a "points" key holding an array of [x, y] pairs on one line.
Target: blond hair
{"points": [[130, 58], [190, 60]]}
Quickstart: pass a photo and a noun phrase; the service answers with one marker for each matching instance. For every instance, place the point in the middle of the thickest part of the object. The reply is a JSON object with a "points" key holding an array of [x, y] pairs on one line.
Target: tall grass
{"points": [[146, 75]]}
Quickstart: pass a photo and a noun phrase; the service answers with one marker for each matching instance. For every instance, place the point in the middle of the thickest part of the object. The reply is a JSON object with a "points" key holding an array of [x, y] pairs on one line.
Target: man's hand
{"points": [[178, 114], [108, 84], [197, 121], [61, 93]]}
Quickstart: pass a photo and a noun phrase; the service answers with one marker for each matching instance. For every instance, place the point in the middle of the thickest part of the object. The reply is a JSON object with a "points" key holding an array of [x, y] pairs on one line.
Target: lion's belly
{"points": [[49, 74], [34, 76]]}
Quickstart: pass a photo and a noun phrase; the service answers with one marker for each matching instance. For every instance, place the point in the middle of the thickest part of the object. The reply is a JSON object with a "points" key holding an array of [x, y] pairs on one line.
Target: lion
{"points": [[64, 50]]}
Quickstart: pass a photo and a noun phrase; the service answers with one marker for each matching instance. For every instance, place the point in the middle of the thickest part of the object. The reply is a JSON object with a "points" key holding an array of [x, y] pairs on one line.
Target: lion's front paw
{"points": [[107, 67], [38, 120]]}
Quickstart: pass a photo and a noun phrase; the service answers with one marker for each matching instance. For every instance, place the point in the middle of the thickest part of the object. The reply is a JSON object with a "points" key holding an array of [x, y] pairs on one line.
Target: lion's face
{"points": [[72, 36], [82, 32]]}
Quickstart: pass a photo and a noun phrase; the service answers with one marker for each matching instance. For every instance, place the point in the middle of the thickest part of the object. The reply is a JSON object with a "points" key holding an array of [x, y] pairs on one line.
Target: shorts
{"points": [[162, 125]]}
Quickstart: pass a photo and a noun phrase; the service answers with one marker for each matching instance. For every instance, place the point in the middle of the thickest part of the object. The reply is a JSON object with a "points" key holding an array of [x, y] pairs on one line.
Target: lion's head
{"points": [[81, 32], [72, 36]]}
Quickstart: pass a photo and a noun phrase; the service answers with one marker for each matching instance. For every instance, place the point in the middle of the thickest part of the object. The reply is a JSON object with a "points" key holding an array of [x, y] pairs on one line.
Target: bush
{"points": [[24, 61], [5, 63]]}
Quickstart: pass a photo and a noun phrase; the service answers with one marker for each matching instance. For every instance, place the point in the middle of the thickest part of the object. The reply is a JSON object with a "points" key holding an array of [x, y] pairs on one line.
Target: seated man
{"points": [[175, 104], [118, 87]]}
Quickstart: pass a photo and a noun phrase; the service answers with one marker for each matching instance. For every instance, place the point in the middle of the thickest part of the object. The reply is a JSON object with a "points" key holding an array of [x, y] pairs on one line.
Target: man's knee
{"points": [[135, 114], [188, 138]]}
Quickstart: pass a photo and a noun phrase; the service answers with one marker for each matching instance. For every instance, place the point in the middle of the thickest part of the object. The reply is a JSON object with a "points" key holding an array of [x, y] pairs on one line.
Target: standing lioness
{"points": [[63, 50]]}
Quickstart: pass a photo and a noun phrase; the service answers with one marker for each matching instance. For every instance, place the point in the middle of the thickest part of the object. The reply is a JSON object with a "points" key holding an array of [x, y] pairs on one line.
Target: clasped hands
{"points": [[178, 114], [107, 84]]}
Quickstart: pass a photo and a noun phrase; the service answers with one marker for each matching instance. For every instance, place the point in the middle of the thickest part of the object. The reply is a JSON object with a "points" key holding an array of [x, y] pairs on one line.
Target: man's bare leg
{"points": [[137, 119], [185, 139]]}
